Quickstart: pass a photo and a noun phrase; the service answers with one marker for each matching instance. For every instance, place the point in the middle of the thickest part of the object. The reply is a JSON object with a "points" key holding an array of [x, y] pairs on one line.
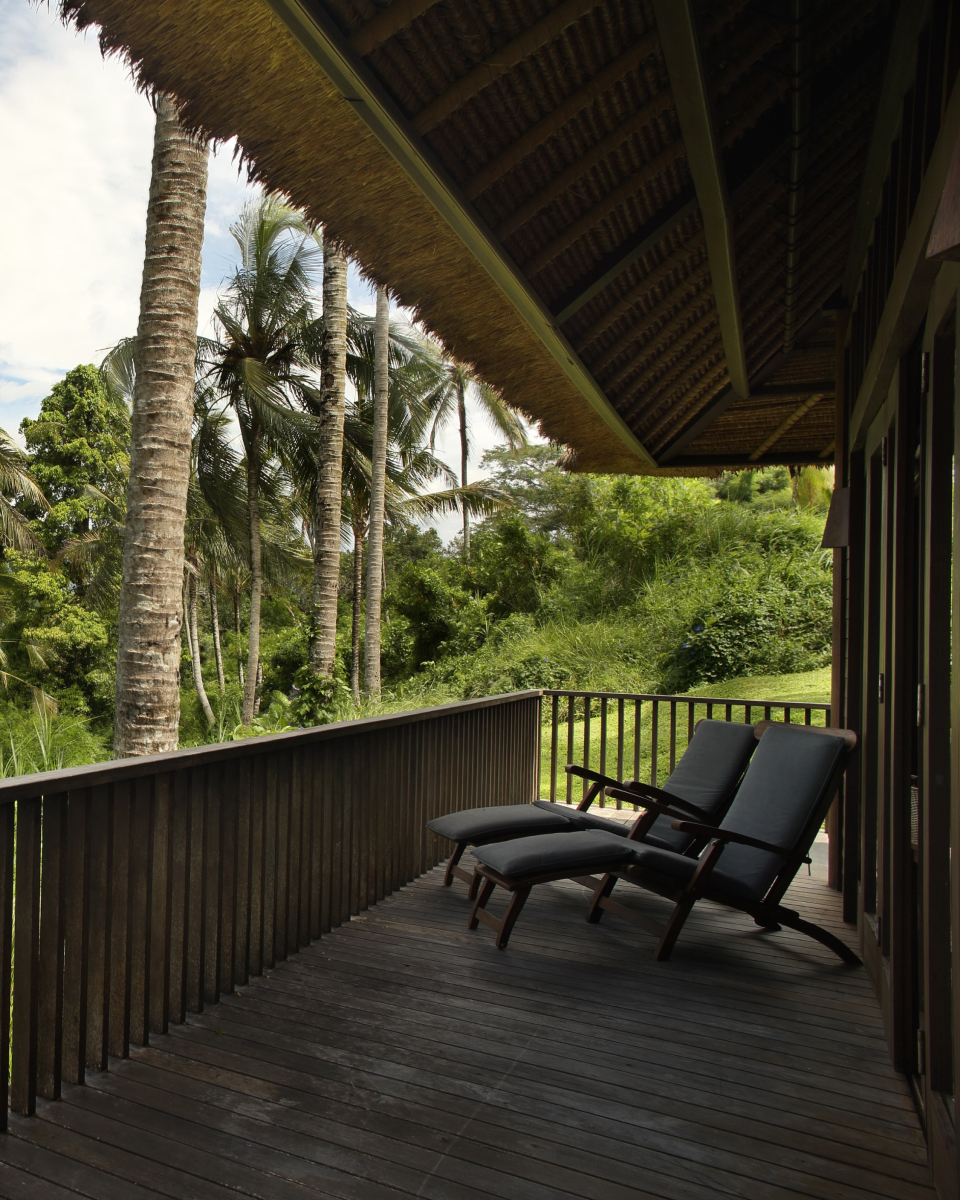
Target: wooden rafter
{"points": [[699, 307], [505, 59], [800, 411], [650, 235], [384, 25], [662, 323], [693, 254], [554, 121], [586, 162], [318, 35], [681, 51], [628, 190]]}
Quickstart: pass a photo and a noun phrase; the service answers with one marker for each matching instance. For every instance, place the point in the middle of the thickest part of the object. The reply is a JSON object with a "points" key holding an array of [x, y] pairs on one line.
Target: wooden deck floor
{"points": [[404, 1056]]}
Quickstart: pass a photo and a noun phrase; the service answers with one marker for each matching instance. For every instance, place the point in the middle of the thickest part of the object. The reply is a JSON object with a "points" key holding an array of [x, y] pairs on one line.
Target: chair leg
{"points": [[481, 902], [452, 862], [673, 927], [607, 884], [793, 920], [474, 885], [517, 900]]}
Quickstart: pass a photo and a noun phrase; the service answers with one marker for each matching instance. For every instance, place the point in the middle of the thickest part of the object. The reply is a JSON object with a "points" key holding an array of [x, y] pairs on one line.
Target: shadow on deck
{"points": [[403, 1056]]}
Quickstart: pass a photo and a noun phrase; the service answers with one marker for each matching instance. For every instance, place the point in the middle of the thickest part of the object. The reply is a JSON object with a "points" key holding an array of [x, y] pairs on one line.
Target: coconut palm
{"points": [[148, 652], [16, 483], [458, 381], [378, 480], [327, 513], [263, 361]]}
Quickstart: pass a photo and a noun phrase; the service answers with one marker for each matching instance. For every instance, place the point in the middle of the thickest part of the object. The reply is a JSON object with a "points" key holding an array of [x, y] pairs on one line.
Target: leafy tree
{"points": [[79, 441]]}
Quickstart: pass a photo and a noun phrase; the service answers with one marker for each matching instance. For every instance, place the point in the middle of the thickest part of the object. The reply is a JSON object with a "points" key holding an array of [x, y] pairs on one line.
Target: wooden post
{"points": [[839, 666]]}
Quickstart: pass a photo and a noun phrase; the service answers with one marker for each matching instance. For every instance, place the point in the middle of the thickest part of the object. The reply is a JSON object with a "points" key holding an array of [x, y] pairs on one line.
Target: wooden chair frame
{"points": [[769, 913]]}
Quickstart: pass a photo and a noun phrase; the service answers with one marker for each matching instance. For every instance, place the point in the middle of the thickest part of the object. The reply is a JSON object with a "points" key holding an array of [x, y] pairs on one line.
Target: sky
{"points": [[76, 141]]}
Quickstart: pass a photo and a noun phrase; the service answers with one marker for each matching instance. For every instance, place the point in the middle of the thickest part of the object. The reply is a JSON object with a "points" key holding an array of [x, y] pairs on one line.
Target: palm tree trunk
{"points": [[147, 713], [239, 629], [215, 622], [195, 645], [378, 483], [464, 451], [357, 603], [326, 551], [256, 580]]}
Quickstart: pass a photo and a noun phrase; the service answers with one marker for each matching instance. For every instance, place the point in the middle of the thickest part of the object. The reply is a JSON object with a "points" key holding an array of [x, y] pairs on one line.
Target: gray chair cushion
{"points": [[705, 775], [476, 825], [779, 797], [676, 866], [580, 851]]}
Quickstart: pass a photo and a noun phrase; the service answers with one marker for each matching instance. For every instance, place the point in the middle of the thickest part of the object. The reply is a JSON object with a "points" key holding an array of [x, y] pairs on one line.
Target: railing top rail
{"points": [[26, 787], [814, 705]]}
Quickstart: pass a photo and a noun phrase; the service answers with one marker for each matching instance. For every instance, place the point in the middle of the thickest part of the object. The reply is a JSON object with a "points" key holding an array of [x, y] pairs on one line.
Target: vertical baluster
{"points": [[230, 781], [98, 941], [327, 855], [179, 823], [197, 799], [603, 744], [160, 905], [570, 756], [317, 842], [6, 946], [306, 848], [787, 715], [281, 767], [673, 735], [242, 924], [258, 808], [748, 714], [766, 712], [729, 712], [212, 883], [620, 736], [691, 722], [587, 704], [655, 743], [710, 710], [361, 800], [76, 902], [270, 862], [118, 1019], [554, 738], [26, 959], [50, 1013], [637, 727], [334, 783]]}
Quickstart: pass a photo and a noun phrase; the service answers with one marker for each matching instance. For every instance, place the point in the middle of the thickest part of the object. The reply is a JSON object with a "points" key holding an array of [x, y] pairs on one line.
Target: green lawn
{"points": [[673, 722]]}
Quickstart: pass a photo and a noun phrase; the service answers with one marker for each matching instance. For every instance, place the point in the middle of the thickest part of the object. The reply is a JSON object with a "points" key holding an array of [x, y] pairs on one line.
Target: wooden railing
{"points": [[134, 892], [638, 736]]}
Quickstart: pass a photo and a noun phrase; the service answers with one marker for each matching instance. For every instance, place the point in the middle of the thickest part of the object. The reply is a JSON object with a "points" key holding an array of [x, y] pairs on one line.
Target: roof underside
{"points": [[517, 171]]}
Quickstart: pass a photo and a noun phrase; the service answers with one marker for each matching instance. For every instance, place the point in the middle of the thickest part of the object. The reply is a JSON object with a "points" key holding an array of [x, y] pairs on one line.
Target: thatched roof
{"points": [[521, 175]]}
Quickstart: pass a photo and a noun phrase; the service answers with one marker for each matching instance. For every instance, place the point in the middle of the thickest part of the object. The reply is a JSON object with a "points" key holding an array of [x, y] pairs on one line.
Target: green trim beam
{"points": [[681, 52]]}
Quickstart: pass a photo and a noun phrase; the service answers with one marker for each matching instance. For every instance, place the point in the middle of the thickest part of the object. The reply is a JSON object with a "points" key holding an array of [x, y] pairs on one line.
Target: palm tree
{"points": [[459, 382], [148, 651], [378, 480], [326, 523], [16, 482], [263, 362]]}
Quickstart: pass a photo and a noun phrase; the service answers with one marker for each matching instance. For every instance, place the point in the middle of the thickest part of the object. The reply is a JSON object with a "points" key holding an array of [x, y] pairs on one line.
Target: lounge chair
{"points": [[749, 861], [702, 783]]}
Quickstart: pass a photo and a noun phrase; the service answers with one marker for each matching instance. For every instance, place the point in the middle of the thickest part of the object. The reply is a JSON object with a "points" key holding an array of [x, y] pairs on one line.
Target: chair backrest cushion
{"points": [[706, 774], [784, 786]]}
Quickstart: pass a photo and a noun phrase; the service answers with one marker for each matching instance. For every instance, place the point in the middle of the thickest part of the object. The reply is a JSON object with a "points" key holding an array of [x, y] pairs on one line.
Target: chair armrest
{"points": [[650, 806], [599, 781], [646, 793], [728, 835]]}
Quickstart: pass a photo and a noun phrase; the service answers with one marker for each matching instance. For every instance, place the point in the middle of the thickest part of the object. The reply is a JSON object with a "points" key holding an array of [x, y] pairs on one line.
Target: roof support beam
{"points": [[384, 25], [320, 38], [681, 51], [505, 59], [911, 18], [554, 121], [725, 399]]}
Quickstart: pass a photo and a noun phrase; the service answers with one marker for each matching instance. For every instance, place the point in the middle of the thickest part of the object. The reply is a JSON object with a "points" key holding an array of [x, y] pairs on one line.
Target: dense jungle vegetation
{"points": [[600, 582]]}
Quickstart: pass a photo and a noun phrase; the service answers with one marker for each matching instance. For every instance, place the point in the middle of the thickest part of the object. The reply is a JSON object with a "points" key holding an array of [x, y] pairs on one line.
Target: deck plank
{"points": [[405, 1056]]}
